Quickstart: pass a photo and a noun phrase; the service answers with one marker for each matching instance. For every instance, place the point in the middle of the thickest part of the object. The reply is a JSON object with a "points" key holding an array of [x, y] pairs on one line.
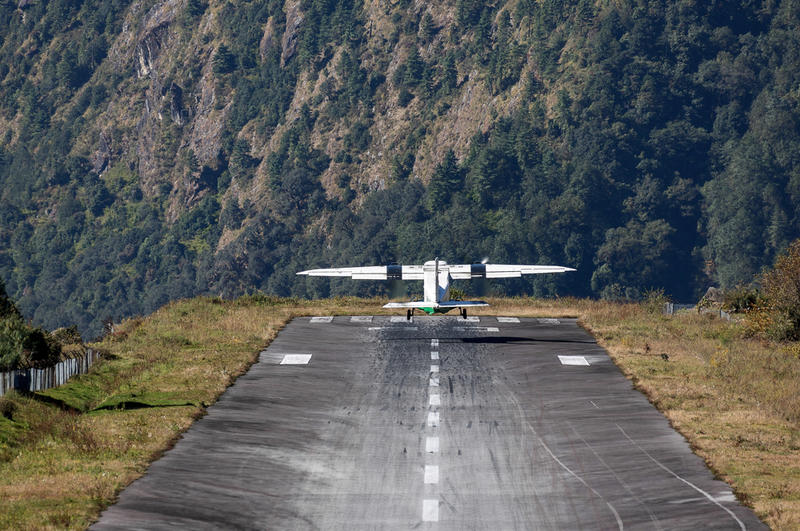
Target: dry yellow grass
{"points": [[732, 397]]}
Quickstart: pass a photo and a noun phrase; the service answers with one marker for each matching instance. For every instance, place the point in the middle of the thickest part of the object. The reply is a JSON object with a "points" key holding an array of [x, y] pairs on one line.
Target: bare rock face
{"points": [[294, 19], [148, 49], [208, 122], [268, 40], [102, 156], [175, 97]]}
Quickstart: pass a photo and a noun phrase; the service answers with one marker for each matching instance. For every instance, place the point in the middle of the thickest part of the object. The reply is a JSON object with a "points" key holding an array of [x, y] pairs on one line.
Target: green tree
{"points": [[446, 180], [224, 60]]}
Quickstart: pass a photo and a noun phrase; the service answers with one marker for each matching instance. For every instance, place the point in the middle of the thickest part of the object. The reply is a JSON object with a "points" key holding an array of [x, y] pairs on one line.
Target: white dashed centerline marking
{"points": [[470, 319], [476, 329], [430, 510], [430, 507], [432, 445], [431, 474], [573, 360], [507, 320], [361, 319], [327, 319], [296, 359]]}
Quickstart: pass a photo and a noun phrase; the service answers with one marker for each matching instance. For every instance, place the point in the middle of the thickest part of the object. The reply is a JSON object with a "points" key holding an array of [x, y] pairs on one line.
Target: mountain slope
{"points": [[156, 150]]}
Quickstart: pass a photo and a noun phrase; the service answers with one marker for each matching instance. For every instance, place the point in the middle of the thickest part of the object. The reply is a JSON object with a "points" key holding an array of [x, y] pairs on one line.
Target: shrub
{"points": [[654, 301], [741, 299], [68, 336], [22, 346], [7, 408], [781, 288]]}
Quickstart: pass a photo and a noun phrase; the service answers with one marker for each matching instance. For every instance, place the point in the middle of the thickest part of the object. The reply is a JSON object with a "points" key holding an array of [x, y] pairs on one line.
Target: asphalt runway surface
{"points": [[440, 423]]}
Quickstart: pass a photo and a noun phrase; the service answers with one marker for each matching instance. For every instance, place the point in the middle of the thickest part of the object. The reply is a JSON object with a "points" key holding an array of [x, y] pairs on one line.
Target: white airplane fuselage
{"points": [[436, 281]]}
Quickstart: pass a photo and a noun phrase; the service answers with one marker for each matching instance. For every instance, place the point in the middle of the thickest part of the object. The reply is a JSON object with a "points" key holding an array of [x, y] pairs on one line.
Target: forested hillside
{"points": [[152, 150]]}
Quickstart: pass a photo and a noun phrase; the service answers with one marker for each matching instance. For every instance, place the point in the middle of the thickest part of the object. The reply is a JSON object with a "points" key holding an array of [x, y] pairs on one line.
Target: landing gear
{"points": [[464, 313], [409, 314]]}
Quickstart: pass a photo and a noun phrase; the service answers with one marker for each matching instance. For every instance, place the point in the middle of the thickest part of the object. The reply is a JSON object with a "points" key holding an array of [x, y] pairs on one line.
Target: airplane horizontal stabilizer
{"points": [[431, 304]]}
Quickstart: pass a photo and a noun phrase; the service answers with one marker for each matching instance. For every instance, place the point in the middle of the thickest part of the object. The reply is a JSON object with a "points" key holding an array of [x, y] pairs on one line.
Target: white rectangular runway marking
{"points": [[432, 445], [430, 510], [361, 319], [296, 359], [397, 319], [471, 319], [435, 355], [549, 321], [477, 329], [507, 319], [434, 368], [434, 343], [327, 319], [431, 474], [433, 419], [434, 382], [435, 400], [573, 360]]}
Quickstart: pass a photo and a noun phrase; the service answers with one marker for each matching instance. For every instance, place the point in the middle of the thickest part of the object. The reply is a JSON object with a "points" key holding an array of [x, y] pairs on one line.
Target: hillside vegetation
{"points": [[22, 345], [152, 150], [67, 452]]}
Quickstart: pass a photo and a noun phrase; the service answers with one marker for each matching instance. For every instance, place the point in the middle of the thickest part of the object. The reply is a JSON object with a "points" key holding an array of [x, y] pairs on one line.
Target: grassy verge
{"points": [[732, 397]]}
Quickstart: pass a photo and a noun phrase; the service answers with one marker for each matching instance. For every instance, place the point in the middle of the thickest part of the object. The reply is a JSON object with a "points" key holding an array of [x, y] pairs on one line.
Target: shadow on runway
{"points": [[510, 339], [494, 340]]}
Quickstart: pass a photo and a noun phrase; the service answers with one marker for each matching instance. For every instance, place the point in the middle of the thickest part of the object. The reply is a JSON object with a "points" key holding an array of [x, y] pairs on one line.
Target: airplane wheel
{"points": [[464, 313], [408, 315]]}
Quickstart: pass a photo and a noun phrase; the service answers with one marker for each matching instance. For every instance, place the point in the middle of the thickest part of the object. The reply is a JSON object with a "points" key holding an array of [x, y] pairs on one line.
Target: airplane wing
{"points": [[441, 304], [390, 272], [467, 271]]}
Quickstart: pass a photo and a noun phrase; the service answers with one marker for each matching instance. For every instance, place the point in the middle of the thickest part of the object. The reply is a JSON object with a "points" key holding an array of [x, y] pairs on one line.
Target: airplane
{"points": [[436, 275]]}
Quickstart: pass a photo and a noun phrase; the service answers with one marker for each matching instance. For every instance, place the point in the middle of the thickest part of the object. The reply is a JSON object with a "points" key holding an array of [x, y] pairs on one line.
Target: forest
{"points": [[156, 150]]}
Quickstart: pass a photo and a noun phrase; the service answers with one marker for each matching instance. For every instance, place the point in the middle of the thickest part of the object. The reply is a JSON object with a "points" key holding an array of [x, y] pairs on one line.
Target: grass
{"points": [[67, 453]]}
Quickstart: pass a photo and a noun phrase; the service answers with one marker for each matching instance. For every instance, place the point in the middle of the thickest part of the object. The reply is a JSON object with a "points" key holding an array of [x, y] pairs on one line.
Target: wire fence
{"points": [[41, 379]]}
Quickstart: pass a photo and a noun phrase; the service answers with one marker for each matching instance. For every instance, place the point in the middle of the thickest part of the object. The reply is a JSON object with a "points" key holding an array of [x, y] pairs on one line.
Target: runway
{"points": [[440, 423]]}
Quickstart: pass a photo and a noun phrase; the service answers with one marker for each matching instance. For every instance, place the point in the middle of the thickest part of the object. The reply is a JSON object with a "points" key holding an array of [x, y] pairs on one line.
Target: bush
{"points": [[654, 301], [7, 408], [68, 336], [741, 299], [22, 346], [781, 288]]}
